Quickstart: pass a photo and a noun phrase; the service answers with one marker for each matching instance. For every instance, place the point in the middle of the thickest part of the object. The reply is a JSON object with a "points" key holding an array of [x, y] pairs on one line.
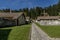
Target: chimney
{"points": [[10, 11], [44, 12]]}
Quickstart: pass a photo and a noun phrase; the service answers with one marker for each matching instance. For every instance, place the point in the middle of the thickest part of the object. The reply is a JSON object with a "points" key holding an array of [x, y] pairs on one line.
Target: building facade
{"points": [[49, 20], [10, 19]]}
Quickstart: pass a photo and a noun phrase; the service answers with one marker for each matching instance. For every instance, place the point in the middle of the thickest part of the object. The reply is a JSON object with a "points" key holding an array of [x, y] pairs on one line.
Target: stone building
{"points": [[8, 19]]}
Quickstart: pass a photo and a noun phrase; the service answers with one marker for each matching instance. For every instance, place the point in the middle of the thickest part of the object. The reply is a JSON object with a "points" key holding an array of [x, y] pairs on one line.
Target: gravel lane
{"points": [[38, 34]]}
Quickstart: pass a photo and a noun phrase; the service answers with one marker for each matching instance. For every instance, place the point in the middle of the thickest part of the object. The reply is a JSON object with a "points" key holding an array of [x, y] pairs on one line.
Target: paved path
{"points": [[38, 34]]}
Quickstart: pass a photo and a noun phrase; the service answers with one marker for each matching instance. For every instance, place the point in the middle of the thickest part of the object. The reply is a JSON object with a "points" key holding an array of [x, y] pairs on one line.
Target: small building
{"points": [[49, 20], [8, 19]]}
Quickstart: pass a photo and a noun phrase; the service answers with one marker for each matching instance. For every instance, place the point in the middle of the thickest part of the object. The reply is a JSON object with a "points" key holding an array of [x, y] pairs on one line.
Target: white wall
{"points": [[49, 22]]}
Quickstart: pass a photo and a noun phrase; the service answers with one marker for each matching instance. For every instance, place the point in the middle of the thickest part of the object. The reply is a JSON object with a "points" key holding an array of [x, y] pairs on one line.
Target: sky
{"points": [[18, 4]]}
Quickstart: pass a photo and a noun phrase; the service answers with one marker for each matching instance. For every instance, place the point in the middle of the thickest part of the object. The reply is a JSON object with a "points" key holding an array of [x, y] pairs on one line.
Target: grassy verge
{"points": [[15, 33], [52, 31]]}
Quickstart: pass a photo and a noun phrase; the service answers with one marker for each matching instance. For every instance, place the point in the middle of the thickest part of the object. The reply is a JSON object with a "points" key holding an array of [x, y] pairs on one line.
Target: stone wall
{"points": [[21, 20]]}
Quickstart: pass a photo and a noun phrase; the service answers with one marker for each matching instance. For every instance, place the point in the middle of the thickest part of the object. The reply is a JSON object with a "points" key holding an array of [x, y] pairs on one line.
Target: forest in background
{"points": [[34, 12]]}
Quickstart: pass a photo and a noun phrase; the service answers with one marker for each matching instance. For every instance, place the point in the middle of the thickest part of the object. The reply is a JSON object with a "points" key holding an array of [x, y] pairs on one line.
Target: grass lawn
{"points": [[15, 33], [52, 31]]}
